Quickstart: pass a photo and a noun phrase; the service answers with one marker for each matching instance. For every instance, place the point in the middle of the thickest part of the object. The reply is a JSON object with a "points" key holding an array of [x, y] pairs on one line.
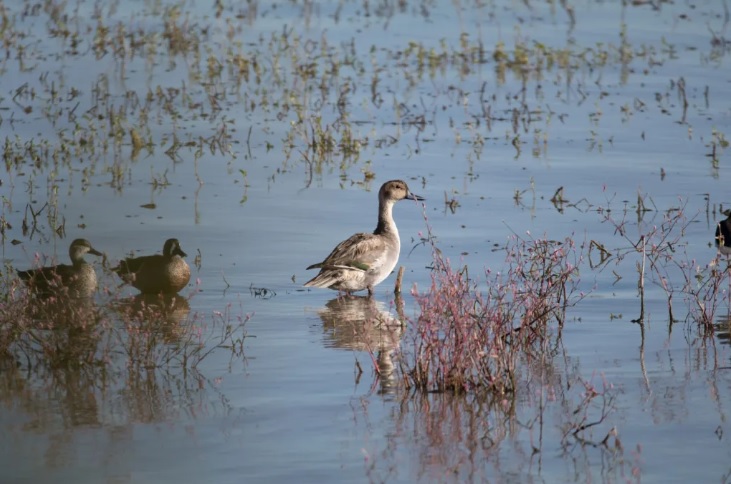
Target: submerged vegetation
{"points": [[144, 332]]}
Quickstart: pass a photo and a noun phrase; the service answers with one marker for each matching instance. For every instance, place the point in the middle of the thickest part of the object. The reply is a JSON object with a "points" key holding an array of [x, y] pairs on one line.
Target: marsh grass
{"points": [[112, 331], [316, 86], [483, 362], [159, 332], [656, 245], [473, 335], [470, 335]]}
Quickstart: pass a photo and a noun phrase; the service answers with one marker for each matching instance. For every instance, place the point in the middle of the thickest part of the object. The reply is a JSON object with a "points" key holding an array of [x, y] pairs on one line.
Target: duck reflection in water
{"points": [[361, 323], [722, 329], [162, 314]]}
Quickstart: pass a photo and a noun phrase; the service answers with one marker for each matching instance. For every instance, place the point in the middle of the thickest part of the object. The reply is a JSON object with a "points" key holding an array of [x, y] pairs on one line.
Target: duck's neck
{"points": [[77, 259], [386, 225]]}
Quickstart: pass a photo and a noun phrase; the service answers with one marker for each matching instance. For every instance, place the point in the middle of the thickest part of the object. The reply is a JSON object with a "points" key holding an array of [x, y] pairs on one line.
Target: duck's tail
{"points": [[324, 279]]}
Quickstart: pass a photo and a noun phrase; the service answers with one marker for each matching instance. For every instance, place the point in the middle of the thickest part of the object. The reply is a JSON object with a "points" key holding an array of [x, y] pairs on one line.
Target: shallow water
{"points": [[296, 406]]}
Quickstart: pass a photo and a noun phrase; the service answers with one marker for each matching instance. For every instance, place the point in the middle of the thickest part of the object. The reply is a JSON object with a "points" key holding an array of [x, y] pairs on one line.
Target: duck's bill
{"points": [[411, 196]]}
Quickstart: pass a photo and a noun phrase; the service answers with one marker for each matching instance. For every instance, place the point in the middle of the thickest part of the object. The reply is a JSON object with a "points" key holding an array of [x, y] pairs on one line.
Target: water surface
{"points": [[261, 205]]}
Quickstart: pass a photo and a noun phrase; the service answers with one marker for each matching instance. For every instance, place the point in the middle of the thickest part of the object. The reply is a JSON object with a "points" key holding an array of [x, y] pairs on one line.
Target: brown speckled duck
{"points": [[154, 274], [364, 260], [75, 280]]}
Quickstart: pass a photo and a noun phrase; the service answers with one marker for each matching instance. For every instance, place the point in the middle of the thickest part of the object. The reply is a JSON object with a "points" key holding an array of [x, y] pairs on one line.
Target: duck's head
{"points": [[396, 190], [172, 247], [80, 247]]}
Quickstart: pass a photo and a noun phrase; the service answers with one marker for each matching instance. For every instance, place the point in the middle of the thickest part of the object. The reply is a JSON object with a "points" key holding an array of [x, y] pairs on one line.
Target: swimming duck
{"points": [[723, 234], [77, 279], [364, 260], [153, 274]]}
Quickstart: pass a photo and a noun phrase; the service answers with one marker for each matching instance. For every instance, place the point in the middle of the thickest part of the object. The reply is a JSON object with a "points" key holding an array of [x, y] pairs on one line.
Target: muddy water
{"points": [[304, 402]]}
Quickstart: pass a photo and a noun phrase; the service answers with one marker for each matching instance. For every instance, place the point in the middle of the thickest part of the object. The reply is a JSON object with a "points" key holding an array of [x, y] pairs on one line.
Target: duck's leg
{"points": [[370, 291]]}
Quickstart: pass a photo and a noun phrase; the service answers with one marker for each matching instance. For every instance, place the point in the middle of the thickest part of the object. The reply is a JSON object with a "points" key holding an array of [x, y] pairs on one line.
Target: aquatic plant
{"points": [[472, 334], [111, 331], [656, 244]]}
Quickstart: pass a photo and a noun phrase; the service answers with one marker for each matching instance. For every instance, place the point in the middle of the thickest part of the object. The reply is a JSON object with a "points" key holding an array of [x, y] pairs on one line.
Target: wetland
{"points": [[564, 315]]}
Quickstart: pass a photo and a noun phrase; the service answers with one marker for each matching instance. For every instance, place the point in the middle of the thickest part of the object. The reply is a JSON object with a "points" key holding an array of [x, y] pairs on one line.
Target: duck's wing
{"points": [[132, 265], [359, 252], [45, 277]]}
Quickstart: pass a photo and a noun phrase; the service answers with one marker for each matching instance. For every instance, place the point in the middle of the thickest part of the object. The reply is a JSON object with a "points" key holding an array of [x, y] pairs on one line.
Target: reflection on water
{"points": [[49, 331], [363, 324], [481, 435], [162, 313], [442, 422], [53, 409], [60, 312], [75, 348], [78, 366], [723, 330]]}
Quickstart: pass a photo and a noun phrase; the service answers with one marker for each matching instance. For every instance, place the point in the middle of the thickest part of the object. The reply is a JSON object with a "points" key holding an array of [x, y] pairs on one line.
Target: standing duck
{"points": [[154, 274], [364, 260]]}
